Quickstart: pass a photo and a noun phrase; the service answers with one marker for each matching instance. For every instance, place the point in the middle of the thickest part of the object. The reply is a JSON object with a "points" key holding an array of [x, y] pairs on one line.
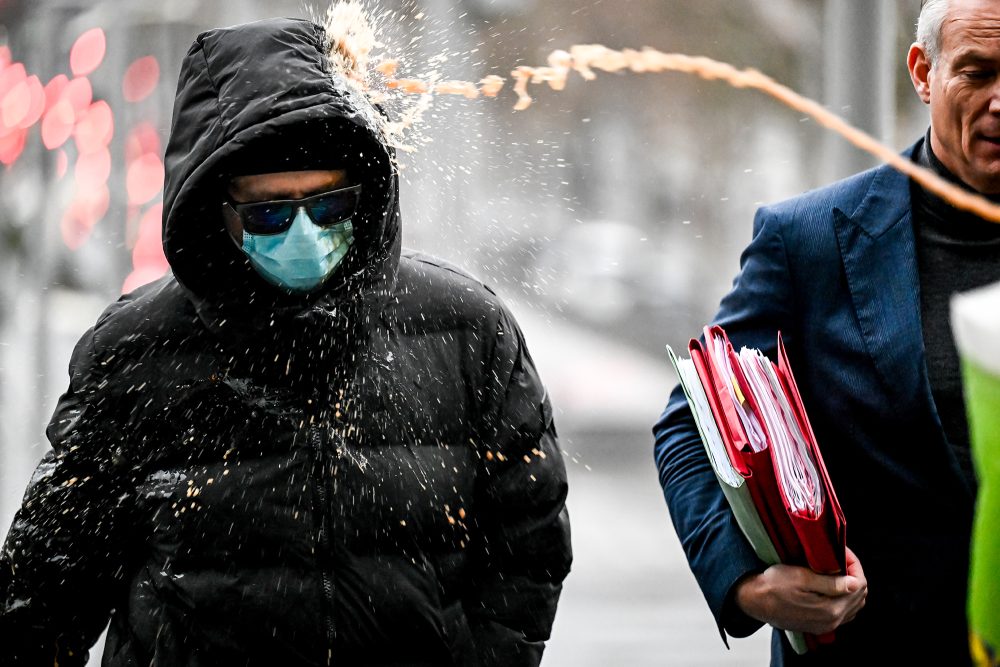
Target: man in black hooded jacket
{"points": [[281, 455]]}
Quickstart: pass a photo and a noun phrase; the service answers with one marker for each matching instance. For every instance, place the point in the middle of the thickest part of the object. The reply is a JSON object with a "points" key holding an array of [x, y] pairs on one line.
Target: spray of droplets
{"points": [[353, 37], [350, 41]]}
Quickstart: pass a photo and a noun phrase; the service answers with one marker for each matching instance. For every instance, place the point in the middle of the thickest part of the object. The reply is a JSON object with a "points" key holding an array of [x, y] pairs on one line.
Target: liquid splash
{"points": [[350, 40], [353, 39]]}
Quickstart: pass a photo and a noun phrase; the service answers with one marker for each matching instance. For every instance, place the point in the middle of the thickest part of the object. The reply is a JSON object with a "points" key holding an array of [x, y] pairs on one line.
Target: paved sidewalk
{"points": [[631, 599]]}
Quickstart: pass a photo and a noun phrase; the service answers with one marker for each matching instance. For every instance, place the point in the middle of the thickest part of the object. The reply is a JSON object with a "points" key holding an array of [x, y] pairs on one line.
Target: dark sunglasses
{"points": [[276, 215]]}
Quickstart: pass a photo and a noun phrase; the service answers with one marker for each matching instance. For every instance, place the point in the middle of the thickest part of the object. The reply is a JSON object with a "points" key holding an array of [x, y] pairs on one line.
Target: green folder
{"points": [[975, 318], [733, 485]]}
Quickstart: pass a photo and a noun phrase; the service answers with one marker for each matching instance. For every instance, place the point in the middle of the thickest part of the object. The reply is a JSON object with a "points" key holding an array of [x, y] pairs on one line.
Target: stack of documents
{"points": [[762, 448]]}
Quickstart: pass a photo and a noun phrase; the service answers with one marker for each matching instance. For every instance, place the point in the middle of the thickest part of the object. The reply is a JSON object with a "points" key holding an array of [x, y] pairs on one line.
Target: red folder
{"points": [[755, 467], [824, 538], [814, 540]]}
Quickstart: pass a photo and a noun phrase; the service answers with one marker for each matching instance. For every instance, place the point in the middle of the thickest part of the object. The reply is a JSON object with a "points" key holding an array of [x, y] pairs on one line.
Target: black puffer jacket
{"points": [[240, 477]]}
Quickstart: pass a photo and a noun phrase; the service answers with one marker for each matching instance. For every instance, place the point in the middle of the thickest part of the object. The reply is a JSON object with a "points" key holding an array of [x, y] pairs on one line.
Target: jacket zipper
{"points": [[324, 539]]}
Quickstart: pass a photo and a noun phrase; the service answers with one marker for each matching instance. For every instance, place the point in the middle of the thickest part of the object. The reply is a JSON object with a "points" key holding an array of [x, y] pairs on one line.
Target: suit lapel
{"points": [[878, 251]]}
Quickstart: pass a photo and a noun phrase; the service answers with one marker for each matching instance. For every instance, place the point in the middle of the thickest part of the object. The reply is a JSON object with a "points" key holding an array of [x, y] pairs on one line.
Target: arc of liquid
{"points": [[585, 58]]}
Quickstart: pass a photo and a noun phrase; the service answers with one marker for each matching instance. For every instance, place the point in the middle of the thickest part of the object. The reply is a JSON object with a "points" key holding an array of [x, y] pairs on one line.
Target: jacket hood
{"points": [[258, 98]]}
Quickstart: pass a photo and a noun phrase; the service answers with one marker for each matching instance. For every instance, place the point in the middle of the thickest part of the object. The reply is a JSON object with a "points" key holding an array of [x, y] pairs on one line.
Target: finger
{"points": [[854, 565], [849, 611], [832, 586], [855, 608]]}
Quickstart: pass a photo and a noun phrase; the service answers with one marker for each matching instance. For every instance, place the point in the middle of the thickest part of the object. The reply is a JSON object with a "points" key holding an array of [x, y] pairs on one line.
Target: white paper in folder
{"points": [[703, 414], [793, 462]]}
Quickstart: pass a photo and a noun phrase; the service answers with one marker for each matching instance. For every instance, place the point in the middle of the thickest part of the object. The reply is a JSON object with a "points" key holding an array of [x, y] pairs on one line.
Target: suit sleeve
{"points": [[64, 556], [523, 551], [757, 307]]}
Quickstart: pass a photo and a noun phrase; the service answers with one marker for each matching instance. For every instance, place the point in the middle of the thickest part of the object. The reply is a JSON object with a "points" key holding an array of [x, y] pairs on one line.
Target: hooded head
{"points": [[261, 98]]}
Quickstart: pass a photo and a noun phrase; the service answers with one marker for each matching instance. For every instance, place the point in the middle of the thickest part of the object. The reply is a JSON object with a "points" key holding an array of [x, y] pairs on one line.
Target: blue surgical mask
{"points": [[302, 257]]}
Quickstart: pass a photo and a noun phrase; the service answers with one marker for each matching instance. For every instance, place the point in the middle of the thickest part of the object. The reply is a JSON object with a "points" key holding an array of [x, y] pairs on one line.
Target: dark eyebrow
{"points": [[972, 58], [251, 194]]}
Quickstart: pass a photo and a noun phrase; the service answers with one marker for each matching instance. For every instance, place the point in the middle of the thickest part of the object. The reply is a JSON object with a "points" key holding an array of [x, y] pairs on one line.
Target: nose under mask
{"points": [[301, 258]]}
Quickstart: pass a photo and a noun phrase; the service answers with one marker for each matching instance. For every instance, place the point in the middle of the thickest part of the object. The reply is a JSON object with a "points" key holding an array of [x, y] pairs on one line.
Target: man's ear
{"points": [[920, 71]]}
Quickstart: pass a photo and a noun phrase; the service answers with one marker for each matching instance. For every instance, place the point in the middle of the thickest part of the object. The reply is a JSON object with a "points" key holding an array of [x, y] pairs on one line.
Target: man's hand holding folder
{"points": [[795, 598], [764, 453]]}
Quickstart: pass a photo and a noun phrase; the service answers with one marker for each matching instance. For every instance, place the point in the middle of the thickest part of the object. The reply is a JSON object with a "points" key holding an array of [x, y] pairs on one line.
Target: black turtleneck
{"points": [[956, 252]]}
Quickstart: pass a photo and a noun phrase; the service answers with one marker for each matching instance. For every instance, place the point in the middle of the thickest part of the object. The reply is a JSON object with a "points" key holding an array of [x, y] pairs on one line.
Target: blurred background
{"points": [[610, 215]]}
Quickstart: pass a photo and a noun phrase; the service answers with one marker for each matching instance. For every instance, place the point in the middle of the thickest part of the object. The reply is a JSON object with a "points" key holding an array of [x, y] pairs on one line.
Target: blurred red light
{"points": [[57, 125], [11, 146], [95, 129], [145, 178], [62, 164], [15, 105], [85, 211], [144, 138], [148, 249], [12, 97], [54, 90], [87, 52], [11, 76], [79, 93], [36, 93], [92, 170], [141, 79], [148, 261]]}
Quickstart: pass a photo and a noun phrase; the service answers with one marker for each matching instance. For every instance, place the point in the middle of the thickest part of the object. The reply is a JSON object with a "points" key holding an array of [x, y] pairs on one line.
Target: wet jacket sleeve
{"points": [[752, 313], [63, 558], [523, 544]]}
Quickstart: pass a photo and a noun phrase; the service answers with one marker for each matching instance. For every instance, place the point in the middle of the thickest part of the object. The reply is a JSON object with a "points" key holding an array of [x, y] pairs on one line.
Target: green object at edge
{"points": [[982, 395]]}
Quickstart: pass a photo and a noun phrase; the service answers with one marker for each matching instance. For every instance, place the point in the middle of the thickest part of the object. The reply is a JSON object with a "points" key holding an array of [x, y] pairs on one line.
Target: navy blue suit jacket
{"points": [[835, 271]]}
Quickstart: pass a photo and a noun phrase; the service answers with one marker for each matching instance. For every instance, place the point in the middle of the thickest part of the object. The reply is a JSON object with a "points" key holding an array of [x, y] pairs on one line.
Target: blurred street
{"points": [[631, 599]]}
